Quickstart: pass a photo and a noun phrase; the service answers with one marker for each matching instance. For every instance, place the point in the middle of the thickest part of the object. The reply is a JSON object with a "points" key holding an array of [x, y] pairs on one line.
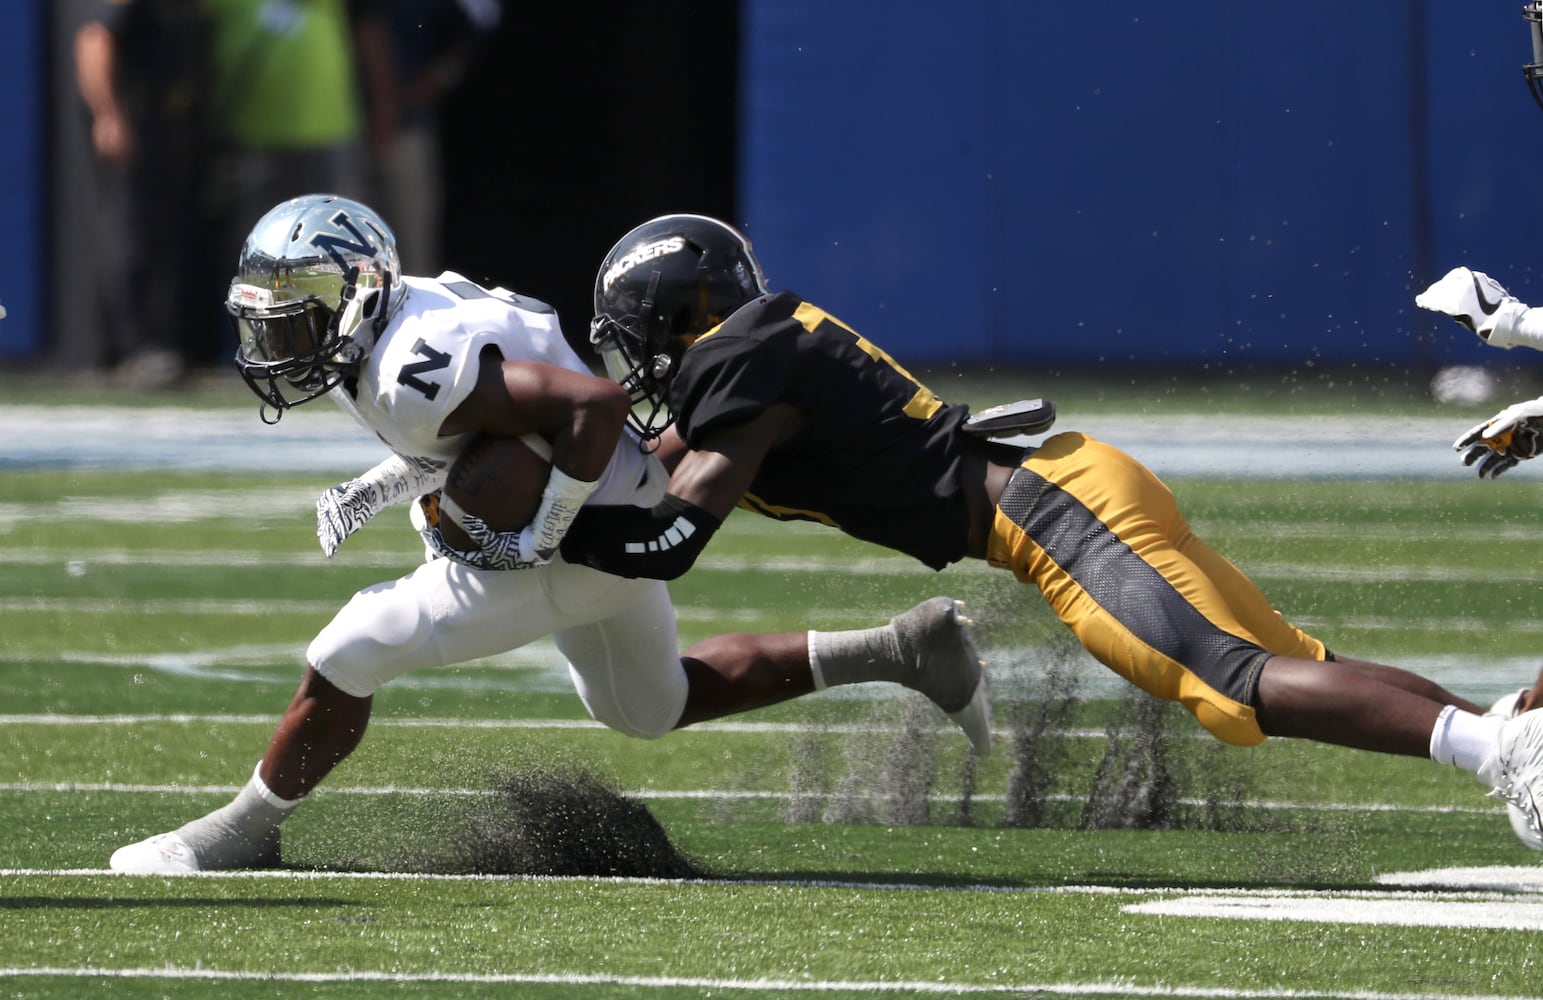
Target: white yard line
{"points": [[1015, 670], [248, 607], [1497, 898], [81, 564], [1454, 888], [925, 987], [1271, 447], [1509, 914], [704, 795]]}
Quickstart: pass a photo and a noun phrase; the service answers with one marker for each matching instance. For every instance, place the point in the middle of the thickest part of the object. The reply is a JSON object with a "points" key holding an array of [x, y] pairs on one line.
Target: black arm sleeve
{"points": [[659, 542]]}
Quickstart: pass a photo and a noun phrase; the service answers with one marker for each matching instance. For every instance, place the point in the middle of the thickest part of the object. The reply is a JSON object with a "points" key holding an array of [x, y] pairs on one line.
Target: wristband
{"points": [[560, 503], [398, 479]]}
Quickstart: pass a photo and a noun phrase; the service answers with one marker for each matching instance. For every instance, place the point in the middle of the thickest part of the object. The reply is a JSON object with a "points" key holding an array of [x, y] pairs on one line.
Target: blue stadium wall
{"points": [[1200, 184], [22, 286], [1204, 184]]}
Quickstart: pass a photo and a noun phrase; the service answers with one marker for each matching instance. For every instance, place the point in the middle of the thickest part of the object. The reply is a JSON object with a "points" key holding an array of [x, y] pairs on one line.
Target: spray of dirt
{"points": [[548, 822]]}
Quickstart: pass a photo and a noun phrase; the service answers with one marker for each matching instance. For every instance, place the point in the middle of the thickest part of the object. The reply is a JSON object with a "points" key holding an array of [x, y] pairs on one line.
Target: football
{"points": [[498, 479]]}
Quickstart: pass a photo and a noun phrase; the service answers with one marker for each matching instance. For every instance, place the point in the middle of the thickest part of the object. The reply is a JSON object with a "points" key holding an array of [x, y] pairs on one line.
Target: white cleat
{"points": [[945, 666], [1515, 771], [163, 854]]}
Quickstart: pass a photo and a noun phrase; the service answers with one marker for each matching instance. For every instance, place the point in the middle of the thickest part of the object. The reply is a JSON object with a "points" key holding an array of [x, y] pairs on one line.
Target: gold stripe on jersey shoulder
{"points": [[920, 406]]}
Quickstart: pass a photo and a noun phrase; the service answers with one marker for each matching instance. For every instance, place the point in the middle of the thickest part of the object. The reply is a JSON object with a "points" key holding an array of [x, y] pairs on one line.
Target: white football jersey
{"points": [[425, 363]]}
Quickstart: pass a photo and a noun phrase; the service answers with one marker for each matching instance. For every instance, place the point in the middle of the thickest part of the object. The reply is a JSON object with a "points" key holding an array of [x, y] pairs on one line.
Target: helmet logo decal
{"points": [[245, 296], [332, 244], [638, 255]]}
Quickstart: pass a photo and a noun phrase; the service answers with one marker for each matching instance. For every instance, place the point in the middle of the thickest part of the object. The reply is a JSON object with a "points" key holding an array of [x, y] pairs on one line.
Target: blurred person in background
{"points": [[204, 114], [429, 45], [292, 81], [143, 71]]}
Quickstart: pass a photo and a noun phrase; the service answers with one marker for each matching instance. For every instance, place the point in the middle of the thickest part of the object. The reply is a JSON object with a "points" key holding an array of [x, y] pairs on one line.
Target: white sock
{"points": [[867, 654], [242, 833], [258, 785], [1463, 739], [814, 661]]}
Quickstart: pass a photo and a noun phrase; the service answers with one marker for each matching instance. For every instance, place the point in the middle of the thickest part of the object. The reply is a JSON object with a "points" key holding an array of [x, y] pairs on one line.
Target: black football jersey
{"points": [[878, 455]]}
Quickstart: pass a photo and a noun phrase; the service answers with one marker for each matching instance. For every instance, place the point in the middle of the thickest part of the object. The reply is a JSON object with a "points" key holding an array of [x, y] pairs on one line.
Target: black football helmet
{"points": [[663, 285], [317, 280]]}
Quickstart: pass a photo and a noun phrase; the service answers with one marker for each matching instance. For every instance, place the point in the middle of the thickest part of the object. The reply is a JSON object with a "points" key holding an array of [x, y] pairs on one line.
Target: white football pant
{"points": [[617, 634]]}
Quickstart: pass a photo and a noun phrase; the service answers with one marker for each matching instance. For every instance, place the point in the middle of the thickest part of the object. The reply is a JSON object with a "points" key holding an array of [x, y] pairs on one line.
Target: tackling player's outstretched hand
{"points": [[1504, 440], [1478, 302]]}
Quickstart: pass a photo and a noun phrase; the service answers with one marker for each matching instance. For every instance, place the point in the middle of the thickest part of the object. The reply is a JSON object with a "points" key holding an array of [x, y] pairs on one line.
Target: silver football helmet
{"points": [[317, 281]]}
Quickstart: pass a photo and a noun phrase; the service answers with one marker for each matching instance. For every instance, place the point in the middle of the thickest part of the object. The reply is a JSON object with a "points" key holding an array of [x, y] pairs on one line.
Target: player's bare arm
{"points": [[714, 475], [669, 449], [663, 541], [581, 415]]}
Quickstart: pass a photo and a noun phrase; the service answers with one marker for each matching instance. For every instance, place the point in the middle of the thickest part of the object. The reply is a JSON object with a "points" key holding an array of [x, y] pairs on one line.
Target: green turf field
{"points": [[154, 625]]}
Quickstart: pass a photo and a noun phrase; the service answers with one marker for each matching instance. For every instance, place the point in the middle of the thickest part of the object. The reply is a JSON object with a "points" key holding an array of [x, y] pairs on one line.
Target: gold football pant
{"points": [[1103, 540]]}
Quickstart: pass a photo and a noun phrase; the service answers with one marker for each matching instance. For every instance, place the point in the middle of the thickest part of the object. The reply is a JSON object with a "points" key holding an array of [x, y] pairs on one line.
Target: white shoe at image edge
{"points": [[163, 854], [1516, 774]]}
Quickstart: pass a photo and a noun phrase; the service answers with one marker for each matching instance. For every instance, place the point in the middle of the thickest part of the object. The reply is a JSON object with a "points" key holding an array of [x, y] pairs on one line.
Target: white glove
{"points": [[343, 509], [503, 549], [1478, 302], [1504, 440], [533, 545]]}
